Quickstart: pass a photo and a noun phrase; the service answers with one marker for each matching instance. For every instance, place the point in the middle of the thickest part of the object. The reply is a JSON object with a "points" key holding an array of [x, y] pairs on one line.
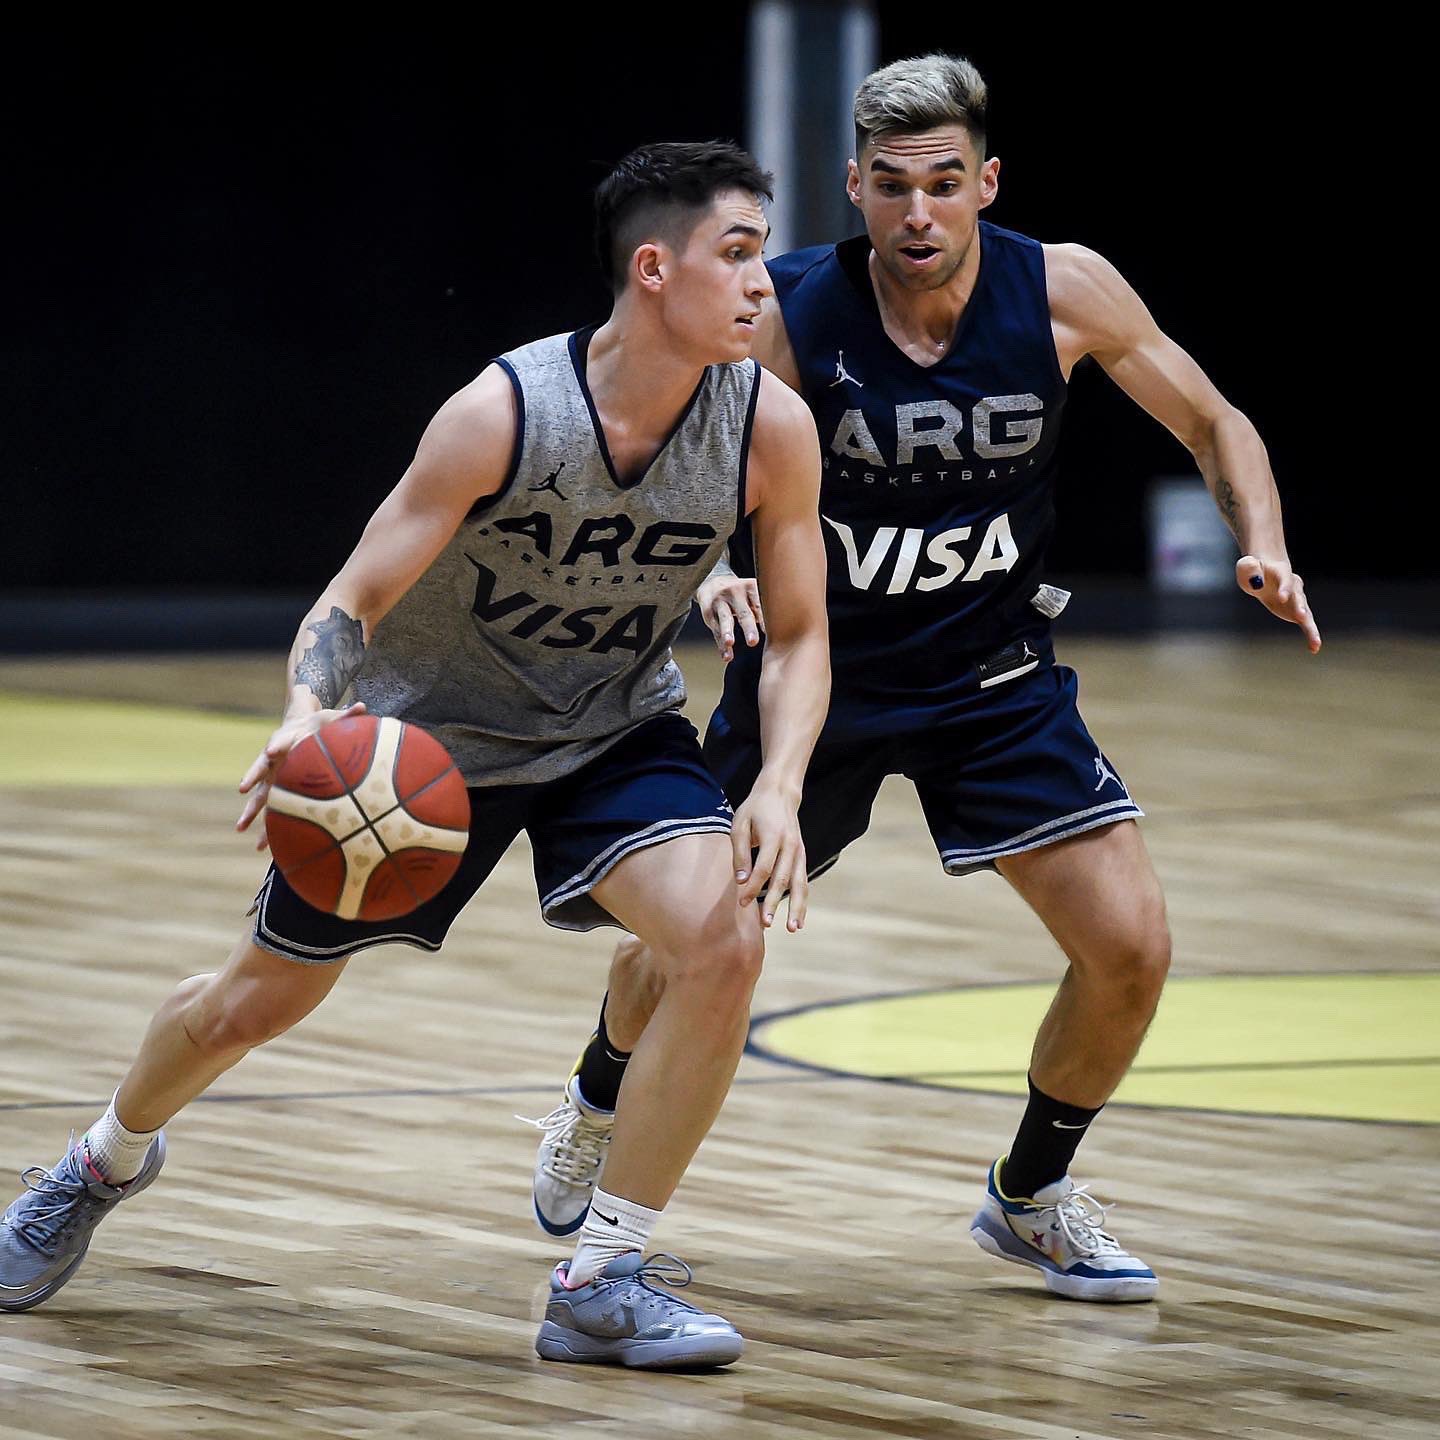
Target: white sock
{"points": [[602, 1241], [117, 1153]]}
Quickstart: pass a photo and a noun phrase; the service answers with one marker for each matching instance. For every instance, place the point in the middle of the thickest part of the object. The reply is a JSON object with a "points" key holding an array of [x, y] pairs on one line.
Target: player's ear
{"points": [[647, 265], [989, 181], [852, 182]]}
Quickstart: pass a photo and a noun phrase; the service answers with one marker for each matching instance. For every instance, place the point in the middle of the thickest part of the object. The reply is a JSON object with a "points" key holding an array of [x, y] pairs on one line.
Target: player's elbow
{"points": [[804, 629], [1205, 431]]}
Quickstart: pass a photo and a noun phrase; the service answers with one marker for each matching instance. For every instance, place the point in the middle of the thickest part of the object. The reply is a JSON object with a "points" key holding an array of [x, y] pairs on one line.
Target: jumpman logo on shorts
{"points": [[1105, 773], [842, 374], [548, 483]]}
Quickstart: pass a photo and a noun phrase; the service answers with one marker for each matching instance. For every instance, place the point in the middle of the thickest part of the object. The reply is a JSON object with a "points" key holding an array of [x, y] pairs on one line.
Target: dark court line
{"points": [[1221, 1068], [419, 1092]]}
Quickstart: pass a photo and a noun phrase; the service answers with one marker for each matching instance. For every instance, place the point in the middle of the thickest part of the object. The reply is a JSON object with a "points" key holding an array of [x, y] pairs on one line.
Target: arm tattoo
{"points": [[1229, 505], [327, 666]]}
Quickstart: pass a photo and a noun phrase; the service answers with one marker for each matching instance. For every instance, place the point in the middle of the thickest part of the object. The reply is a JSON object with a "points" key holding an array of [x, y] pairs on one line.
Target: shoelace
{"points": [[1081, 1218], [43, 1225], [577, 1144], [663, 1268]]}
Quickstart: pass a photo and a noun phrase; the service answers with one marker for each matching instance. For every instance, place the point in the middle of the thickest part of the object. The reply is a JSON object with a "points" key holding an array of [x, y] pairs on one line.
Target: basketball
{"points": [[367, 818]]}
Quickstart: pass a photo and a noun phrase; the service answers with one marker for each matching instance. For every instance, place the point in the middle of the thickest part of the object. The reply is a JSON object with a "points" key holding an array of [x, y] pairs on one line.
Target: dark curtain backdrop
{"points": [[242, 277]]}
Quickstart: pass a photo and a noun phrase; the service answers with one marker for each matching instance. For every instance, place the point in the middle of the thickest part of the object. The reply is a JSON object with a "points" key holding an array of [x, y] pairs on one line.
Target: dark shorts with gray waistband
{"points": [[651, 786], [1011, 769]]}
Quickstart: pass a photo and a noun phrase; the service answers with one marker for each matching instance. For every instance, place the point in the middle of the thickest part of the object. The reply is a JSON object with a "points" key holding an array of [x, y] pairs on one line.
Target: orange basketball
{"points": [[368, 818]]}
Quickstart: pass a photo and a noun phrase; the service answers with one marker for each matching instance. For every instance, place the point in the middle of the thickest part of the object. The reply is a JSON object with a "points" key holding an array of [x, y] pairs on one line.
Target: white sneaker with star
{"points": [[1060, 1232]]}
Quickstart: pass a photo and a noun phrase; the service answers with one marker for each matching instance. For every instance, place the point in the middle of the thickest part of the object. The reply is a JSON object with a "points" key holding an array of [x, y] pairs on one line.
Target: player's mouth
{"points": [[920, 253], [748, 321]]}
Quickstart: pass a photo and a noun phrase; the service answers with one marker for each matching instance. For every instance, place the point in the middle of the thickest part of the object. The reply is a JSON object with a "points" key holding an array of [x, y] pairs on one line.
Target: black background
{"points": [[242, 276]]}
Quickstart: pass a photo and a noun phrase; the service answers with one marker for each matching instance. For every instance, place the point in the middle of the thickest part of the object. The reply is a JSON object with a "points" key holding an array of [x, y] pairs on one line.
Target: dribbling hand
{"points": [[728, 602], [256, 784], [1281, 591]]}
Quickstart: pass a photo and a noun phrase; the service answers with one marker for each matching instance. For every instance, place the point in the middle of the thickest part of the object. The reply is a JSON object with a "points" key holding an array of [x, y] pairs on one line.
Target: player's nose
{"points": [[758, 285], [917, 217]]}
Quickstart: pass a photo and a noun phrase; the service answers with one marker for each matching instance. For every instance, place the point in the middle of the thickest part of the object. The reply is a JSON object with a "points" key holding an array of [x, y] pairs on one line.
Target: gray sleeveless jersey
{"points": [[542, 632]]}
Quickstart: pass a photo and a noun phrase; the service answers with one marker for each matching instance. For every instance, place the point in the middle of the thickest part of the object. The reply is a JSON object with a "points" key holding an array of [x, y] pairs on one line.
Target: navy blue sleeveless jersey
{"points": [[936, 497]]}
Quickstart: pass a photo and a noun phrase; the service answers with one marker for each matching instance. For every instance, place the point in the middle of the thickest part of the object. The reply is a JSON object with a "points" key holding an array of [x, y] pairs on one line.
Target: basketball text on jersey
{"points": [[990, 438], [996, 551], [553, 545]]}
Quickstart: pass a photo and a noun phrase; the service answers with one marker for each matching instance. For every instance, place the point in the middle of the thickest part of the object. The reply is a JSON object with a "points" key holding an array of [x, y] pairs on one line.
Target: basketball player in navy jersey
{"points": [[934, 353], [517, 593]]}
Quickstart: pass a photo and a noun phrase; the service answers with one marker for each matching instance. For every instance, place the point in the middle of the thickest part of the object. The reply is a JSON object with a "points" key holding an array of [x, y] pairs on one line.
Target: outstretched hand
{"points": [[726, 602], [256, 784], [1281, 591]]}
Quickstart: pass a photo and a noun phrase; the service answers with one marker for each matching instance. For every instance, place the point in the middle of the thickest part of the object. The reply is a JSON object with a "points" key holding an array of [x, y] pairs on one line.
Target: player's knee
{"points": [[1143, 963], [635, 972], [632, 955], [724, 959], [231, 1019], [189, 990], [738, 959]]}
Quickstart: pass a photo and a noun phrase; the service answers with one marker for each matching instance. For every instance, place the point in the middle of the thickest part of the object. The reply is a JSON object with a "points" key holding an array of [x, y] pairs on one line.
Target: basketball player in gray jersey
{"points": [[517, 595]]}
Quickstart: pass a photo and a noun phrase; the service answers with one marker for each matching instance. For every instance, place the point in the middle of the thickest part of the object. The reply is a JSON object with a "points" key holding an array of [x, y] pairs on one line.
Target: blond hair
{"points": [[919, 94]]}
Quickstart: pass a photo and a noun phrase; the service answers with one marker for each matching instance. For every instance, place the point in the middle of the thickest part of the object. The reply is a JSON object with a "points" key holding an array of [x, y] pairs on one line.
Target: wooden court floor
{"points": [[341, 1243]]}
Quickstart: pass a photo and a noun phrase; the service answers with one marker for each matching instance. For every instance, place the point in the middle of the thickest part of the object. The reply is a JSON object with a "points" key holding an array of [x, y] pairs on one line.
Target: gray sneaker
{"points": [[44, 1235], [621, 1318]]}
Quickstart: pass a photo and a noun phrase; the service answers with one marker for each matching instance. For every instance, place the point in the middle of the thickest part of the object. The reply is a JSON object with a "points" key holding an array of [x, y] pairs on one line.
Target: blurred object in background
{"points": [[1191, 551], [806, 60]]}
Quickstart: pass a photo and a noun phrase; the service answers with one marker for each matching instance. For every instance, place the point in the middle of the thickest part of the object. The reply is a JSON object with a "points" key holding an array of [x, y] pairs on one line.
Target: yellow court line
{"points": [[61, 741], [1283, 1044]]}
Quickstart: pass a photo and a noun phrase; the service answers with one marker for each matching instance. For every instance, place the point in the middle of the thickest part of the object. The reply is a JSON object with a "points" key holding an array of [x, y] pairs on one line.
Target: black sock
{"points": [[602, 1067], [1044, 1145]]}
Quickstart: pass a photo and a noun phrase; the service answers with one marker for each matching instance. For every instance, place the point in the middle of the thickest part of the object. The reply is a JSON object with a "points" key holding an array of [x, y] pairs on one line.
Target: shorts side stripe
{"points": [[277, 944], [1089, 819], [606, 861]]}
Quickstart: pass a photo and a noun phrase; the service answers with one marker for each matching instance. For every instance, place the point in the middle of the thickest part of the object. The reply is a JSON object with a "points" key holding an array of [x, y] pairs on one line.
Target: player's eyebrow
{"points": [[950, 162], [740, 228]]}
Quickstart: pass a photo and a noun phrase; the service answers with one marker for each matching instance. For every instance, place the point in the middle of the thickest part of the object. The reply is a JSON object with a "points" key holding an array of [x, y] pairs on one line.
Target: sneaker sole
{"points": [[145, 1178], [1124, 1290], [550, 1228], [557, 1343], [40, 1296]]}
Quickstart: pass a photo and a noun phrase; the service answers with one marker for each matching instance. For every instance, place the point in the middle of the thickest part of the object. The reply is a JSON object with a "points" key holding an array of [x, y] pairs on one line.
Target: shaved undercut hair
{"points": [[658, 192], [920, 94]]}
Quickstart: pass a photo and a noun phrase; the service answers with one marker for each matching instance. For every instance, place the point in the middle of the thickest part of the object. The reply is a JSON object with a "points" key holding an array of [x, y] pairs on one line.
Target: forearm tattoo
{"points": [[1229, 505], [328, 665]]}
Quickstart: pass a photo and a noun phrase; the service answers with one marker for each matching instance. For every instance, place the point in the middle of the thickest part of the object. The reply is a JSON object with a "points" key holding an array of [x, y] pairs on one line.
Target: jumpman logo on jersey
{"points": [[1105, 773], [842, 374], [548, 483], [1026, 653]]}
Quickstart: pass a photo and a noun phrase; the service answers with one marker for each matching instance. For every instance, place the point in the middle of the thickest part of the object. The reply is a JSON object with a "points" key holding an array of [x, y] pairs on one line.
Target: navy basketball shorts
{"points": [[1009, 769], [651, 786]]}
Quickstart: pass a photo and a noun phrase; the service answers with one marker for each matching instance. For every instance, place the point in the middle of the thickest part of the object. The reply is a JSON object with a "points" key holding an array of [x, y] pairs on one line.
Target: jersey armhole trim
{"points": [[740, 488], [1050, 348], [516, 454]]}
